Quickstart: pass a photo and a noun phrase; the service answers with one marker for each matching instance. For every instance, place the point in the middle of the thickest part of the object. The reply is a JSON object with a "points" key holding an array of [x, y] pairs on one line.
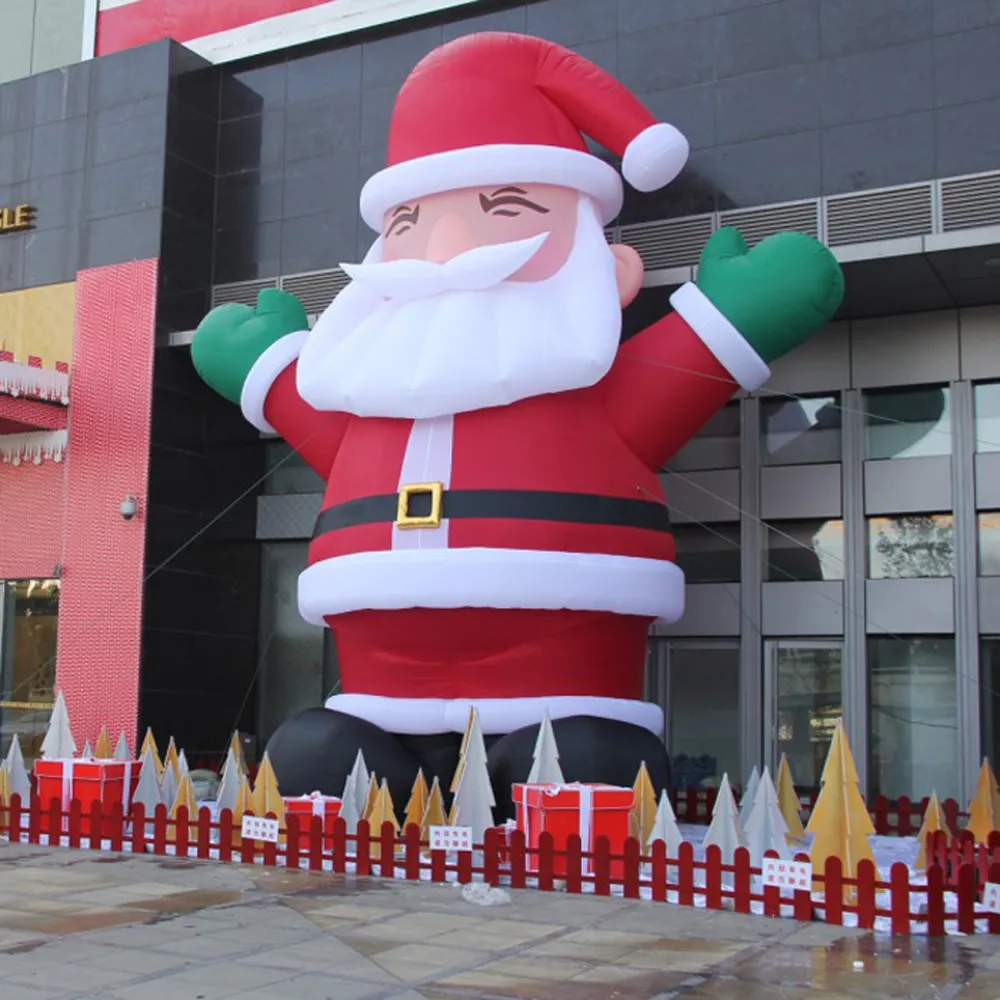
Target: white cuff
{"points": [[263, 374], [729, 346]]}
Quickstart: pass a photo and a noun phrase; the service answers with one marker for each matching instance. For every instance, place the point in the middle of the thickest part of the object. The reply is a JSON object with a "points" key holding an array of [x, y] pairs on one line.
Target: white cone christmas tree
{"points": [[749, 793], [168, 786], [182, 764], [58, 743], [362, 779], [147, 791], [766, 829], [349, 811], [18, 782], [474, 802], [122, 751], [88, 751], [229, 786], [724, 831], [545, 769], [665, 827]]}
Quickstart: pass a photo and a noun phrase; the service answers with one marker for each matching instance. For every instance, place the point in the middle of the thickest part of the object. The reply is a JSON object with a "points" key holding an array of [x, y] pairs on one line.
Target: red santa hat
{"points": [[497, 109]]}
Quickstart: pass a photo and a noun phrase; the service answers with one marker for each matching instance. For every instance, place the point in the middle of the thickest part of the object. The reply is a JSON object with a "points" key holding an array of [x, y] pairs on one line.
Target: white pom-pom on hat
{"points": [[655, 157]]}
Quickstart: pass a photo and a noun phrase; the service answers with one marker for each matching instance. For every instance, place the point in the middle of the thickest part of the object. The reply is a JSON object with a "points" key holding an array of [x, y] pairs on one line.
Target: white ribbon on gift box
{"points": [[67, 792], [318, 805]]}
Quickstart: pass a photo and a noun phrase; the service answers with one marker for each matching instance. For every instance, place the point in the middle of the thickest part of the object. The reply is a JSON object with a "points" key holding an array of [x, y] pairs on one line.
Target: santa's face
{"points": [[472, 299]]}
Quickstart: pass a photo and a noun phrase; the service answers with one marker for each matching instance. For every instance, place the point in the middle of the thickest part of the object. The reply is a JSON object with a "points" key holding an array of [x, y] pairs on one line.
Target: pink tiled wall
{"points": [[31, 519], [100, 613]]}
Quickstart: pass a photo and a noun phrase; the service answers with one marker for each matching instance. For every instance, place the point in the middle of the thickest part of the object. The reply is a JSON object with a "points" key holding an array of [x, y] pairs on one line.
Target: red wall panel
{"points": [[100, 613], [150, 20], [32, 519]]}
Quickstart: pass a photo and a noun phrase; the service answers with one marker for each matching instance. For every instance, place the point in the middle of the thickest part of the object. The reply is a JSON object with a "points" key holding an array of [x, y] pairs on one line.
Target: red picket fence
{"points": [[900, 817], [951, 894]]}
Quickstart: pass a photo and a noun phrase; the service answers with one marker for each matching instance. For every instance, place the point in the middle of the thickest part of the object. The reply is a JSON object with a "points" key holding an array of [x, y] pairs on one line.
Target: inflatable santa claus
{"points": [[493, 531]]}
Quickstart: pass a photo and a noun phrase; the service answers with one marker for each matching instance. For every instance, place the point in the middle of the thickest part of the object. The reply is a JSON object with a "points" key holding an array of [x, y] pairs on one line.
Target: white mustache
{"points": [[472, 271]]}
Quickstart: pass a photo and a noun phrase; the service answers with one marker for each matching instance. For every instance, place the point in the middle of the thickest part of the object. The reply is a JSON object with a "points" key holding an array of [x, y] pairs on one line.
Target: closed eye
{"points": [[404, 219], [509, 205]]}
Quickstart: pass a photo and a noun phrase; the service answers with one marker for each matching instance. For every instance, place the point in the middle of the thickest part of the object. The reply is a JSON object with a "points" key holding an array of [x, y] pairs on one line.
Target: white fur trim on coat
{"points": [[491, 578], [484, 166], [263, 374], [729, 346], [427, 716]]}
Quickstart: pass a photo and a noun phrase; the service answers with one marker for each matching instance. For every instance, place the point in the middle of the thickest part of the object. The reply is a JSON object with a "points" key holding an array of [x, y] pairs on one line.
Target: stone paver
{"points": [[79, 926]]}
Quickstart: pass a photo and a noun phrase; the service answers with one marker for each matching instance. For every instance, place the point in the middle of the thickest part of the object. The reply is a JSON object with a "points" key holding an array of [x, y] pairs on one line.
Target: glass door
{"points": [[803, 682], [29, 616]]}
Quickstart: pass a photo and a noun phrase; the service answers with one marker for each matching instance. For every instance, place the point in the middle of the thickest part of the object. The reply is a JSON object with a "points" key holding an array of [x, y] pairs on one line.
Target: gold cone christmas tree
{"points": [[172, 760], [457, 777], [371, 798], [149, 744], [788, 802], [434, 813], [383, 811], [417, 805], [643, 814], [266, 796], [984, 809], [840, 822], [185, 797], [4, 789], [933, 823], [103, 750]]}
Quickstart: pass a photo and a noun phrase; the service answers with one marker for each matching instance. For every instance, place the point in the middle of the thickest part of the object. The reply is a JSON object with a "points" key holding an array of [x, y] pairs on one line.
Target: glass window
{"points": [[913, 722], [806, 685], [287, 471], [708, 553], [716, 445], [989, 696], [908, 423], [805, 550], [28, 625], [987, 403], [800, 431], [704, 712], [989, 543], [911, 545]]}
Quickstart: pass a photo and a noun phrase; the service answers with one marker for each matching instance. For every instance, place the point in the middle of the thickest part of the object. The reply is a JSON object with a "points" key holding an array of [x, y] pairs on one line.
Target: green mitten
{"points": [[778, 293], [231, 338]]}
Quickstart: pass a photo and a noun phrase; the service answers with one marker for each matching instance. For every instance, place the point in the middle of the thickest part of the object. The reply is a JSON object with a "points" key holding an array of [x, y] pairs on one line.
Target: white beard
{"points": [[414, 339]]}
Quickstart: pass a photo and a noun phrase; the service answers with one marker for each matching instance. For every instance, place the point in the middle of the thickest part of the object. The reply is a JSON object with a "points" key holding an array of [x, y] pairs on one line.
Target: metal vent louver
{"points": [[243, 292], [970, 202], [670, 243], [880, 215], [757, 224], [317, 289]]}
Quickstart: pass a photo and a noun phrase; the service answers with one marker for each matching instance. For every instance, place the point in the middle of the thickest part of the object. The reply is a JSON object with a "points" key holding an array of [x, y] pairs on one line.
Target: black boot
{"points": [[599, 751], [315, 750]]}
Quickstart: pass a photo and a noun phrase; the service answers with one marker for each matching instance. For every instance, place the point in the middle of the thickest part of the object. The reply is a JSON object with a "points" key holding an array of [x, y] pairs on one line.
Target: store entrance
{"points": [[29, 616]]}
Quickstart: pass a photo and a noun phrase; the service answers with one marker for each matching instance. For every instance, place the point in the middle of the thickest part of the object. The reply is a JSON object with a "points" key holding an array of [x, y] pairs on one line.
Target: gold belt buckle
{"points": [[404, 519]]}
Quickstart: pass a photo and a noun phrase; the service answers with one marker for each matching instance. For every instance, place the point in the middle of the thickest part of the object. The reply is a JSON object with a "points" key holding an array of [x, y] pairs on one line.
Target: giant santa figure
{"points": [[494, 532]]}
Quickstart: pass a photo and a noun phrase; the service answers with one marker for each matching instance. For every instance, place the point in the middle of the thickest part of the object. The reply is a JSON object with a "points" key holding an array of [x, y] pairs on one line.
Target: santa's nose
{"points": [[450, 237]]}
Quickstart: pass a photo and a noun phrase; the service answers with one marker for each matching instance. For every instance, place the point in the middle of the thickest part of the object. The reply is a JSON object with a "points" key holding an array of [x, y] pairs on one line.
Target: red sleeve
{"points": [[664, 386], [315, 434]]}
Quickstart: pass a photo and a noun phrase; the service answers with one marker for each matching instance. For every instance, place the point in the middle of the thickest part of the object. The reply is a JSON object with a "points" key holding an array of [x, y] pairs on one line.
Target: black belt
{"points": [[427, 504]]}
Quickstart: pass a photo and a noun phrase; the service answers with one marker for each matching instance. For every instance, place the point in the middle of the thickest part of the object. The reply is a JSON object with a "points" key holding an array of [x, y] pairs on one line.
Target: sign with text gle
{"points": [[451, 838], [787, 874], [17, 220], [991, 897], [259, 828]]}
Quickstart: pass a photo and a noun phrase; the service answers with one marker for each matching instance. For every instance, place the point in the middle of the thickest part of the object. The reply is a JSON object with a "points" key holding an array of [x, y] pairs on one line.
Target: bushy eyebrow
{"points": [[510, 196]]}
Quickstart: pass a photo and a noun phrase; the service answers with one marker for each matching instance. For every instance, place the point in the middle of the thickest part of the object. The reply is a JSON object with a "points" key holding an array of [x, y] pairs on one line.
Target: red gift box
{"points": [[591, 811], [327, 806], [89, 781]]}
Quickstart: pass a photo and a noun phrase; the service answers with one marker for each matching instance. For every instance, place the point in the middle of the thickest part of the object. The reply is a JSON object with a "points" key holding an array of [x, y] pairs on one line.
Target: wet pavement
{"points": [[79, 926]]}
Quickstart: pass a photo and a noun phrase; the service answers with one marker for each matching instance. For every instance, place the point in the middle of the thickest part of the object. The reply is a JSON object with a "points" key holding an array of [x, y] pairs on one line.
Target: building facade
{"points": [[839, 529]]}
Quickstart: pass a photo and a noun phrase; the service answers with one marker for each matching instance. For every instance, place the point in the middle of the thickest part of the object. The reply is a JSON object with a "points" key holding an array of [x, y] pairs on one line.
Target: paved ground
{"points": [[92, 927]]}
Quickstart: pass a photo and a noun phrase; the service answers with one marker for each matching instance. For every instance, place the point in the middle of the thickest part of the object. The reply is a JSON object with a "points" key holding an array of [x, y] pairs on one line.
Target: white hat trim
{"points": [[498, 165]]}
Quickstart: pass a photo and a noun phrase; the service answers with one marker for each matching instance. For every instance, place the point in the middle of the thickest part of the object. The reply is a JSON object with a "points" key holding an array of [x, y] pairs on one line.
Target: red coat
{"points": [[499, 468]]}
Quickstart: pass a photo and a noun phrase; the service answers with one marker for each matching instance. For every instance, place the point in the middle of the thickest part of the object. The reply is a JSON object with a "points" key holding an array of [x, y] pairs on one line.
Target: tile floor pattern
{"points": [[79, 926]]}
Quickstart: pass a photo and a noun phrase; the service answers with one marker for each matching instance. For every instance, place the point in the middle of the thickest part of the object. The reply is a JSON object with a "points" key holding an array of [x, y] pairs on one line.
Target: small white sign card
{"points": [[787, 874], [991, 897], [259, 828], [451, 838]]}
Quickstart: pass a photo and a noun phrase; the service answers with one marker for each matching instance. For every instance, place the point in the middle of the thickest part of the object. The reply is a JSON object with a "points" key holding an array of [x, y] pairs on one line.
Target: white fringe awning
{"points": [[34, 383], [34, 447]]}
